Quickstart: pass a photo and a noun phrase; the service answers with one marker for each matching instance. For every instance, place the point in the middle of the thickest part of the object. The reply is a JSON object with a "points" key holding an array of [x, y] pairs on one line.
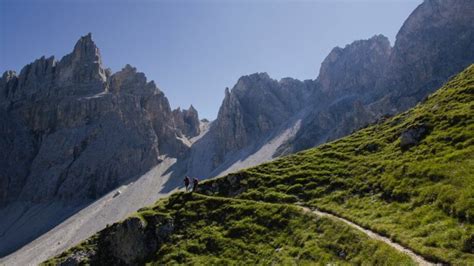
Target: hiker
{"points": [[195, 183], [186, 183]]}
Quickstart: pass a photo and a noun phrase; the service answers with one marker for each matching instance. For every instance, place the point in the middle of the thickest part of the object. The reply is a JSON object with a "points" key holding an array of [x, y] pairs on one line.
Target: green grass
{"points": [[421, 197], [226, 231]]}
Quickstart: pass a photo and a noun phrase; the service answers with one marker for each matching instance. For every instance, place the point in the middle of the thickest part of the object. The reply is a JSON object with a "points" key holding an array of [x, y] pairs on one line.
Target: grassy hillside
{"points": [[410, 177], [205, 230], [421, 195]]}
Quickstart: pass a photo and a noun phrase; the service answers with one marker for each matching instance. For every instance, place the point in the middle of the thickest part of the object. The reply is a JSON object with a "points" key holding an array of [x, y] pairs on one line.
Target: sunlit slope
{"points": [[203, 230], [410, 177]]}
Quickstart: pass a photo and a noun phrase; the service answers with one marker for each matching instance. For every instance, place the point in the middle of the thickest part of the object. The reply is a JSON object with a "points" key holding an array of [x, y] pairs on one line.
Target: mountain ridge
{"points": [[363, 177], [72, 131]]}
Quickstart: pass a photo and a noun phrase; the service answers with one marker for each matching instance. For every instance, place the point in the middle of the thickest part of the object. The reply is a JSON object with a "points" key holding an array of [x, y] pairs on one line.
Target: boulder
{"points": [[412, 136]]}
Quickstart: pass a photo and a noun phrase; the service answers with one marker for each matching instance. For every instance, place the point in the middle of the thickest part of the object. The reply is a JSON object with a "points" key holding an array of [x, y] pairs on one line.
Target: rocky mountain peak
{"points": [[252, 81], [434, 43], [83, 65], [432, 14], [7, 76], [243, 120], [367, 79], [187, 121], [32, 81], [192, 109], [78, 73], [86, 50], [69, 140], [128, 80], [226, 92], [354, 68], [7, 81]]}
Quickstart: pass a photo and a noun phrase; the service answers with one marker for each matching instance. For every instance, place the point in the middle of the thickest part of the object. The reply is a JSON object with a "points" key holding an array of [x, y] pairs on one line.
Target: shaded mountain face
{"points": [[187, 121], [72, 131], [434, 43], [354, 69], [254, 107], [347, 79], [254, 110], [367, 80]]}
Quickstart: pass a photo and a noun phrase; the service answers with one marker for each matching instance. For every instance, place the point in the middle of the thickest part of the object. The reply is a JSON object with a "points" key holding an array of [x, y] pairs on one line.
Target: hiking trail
{"points": [[371, 234], [415, 257]]}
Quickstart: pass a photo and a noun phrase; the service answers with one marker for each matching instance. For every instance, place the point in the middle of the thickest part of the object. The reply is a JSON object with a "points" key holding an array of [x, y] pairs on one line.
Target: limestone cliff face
{"points": [[254, 107], [79, 73], [354, 69], [434, 43], [367, 79], [336, 120], [83, 66], [347, 79], [187, 121], [72, 131]]}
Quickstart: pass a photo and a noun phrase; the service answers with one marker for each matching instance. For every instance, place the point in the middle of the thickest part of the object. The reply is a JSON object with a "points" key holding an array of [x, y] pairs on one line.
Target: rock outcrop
{"points": [[354, 69], [72, 131], [132, 241], [435, 43], [346, 81], [127, 243], [79, 73], [412, 136], [251, 113], [187, 121], [256, 105]]}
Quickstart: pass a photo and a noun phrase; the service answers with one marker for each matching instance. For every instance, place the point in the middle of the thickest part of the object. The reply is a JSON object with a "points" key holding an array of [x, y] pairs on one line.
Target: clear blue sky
{"points": [[194, 49]]}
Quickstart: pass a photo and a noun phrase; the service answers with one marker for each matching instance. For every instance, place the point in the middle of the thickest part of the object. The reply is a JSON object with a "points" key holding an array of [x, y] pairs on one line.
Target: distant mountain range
{"points": [[71, 131]]}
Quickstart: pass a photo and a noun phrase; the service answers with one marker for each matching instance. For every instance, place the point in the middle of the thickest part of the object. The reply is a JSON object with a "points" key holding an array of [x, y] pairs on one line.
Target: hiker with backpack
{"points": [[186, 183], [195, 183]]}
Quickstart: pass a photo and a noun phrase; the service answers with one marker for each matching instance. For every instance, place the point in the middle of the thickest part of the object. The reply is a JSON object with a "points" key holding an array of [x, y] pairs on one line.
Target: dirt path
{"points": [[417, 258]]}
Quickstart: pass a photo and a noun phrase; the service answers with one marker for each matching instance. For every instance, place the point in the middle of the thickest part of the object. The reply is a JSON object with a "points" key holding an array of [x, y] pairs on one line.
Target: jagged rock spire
{"points": [[187, 121], [86, 50], [191, 109], [83, 65]]}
